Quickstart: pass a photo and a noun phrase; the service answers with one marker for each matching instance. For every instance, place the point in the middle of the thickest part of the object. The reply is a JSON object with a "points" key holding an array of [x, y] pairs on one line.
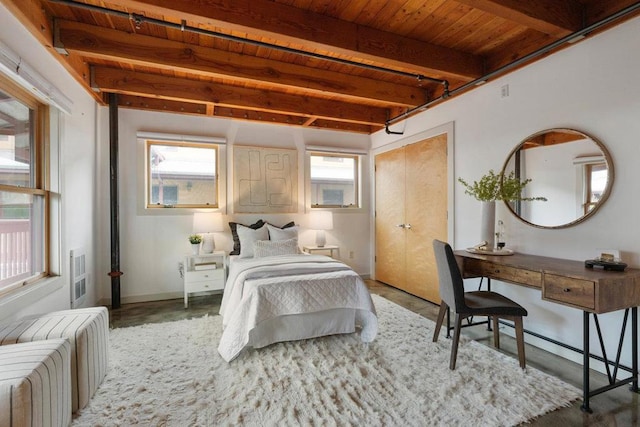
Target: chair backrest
{"points": [[451, 283]]}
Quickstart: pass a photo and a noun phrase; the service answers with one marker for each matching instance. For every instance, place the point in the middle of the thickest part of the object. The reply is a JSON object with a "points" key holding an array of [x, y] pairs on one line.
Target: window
{"points": [[596, 182], [334, 180], [24, 199], [182, 174]]}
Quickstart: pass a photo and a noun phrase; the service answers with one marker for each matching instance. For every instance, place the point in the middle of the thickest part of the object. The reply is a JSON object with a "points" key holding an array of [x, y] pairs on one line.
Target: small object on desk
{"points": [[482, 249], [605, 265], [482, 246]]}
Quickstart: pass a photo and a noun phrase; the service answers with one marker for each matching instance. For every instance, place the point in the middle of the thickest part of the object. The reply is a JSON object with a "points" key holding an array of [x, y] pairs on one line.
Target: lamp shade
{"points": [[207, 222], [321, 220]]}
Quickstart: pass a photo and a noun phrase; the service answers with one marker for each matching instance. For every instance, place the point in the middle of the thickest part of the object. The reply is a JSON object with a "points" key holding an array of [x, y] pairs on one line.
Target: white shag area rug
{"points": [[170, 374]]}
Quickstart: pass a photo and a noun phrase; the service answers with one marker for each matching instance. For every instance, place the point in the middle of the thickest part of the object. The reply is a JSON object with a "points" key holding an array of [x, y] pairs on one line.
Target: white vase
{"points": [[195, 248], [488, 224]]}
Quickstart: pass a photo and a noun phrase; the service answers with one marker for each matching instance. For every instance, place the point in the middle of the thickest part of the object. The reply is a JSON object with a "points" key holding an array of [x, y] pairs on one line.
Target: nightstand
{"points": [[203, 273], [330, 248]]}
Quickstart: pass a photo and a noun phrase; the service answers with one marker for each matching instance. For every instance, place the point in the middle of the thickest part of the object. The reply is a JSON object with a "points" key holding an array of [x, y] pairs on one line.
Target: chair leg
{"points": [[455, 341], [496, 335], [441, 314], [520, 340]]}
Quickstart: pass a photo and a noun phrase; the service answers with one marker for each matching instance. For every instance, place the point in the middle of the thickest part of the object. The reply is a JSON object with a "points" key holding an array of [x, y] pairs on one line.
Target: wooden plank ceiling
{"points": [[338, 64]]}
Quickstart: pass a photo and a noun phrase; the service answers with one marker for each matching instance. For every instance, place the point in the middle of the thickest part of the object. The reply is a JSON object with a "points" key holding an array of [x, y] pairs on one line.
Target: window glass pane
{"points": [[21, 237], [334, 180], [15, 142], [333, 197], [182, 175], [597, 175]]}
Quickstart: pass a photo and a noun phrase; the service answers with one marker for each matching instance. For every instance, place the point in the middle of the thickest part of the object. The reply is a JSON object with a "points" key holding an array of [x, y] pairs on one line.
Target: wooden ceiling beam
{"points": [[259, 116], [277, 21], [178, 89], [351, 127], [291, 120], [157, 104], [98, 42], [552, 17]]}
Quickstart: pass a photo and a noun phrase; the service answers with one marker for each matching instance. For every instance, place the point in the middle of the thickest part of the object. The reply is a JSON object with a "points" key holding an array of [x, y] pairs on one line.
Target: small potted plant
{"points": [[195, 240], [491, 187]]}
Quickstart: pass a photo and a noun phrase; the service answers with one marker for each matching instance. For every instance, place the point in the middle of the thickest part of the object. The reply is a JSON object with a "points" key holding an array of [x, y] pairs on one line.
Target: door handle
{"points": [[407, 226], [400, 225]]}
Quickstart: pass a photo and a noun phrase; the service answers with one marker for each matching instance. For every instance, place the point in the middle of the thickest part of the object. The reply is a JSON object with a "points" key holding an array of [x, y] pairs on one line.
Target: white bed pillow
{"points": [[277, 233], [264, 248], [248, 237]]}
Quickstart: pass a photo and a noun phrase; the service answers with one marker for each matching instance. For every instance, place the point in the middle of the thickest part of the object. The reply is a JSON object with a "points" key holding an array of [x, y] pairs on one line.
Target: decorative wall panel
{"points": [[265, 180]]}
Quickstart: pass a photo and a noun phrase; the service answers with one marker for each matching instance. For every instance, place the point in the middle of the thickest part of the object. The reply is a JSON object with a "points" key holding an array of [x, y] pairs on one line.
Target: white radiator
{"points": [[78, 277]]}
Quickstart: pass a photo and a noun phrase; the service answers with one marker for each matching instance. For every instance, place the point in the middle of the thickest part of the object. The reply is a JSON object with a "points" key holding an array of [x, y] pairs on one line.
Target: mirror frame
{"points": [[605, 195]]}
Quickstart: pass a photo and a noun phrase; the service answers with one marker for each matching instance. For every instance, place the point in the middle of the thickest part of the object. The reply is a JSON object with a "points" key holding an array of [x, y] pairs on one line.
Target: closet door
{"points": [[411, 211], [426, 212], [390, 239]]}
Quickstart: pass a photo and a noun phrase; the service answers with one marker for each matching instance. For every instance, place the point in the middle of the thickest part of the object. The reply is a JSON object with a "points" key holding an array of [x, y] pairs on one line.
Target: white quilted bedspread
{"points": [[259, 290]]}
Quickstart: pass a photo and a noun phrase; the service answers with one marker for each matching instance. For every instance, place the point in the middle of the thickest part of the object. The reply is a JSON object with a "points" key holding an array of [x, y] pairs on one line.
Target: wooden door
{"points": [[389, 213], [411, 190], [426, 212]]}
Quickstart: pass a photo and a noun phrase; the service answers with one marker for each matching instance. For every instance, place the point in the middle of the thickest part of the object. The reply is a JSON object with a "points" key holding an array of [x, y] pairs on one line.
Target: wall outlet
{"points": [[504, 91], [351, 254]]}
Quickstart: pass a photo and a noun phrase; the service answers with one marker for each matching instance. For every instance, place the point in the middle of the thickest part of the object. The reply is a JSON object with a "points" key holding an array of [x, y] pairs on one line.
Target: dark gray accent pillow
{"points": [[287, 225], [234, 233]]}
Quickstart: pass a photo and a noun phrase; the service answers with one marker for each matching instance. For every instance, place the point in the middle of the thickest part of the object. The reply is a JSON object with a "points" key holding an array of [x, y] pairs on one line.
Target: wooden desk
{"points": [[570, 283]]}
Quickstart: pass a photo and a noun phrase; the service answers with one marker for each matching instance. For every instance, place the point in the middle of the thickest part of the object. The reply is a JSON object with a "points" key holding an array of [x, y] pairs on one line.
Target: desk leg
{"points": [[489, 317], [585, 363]]}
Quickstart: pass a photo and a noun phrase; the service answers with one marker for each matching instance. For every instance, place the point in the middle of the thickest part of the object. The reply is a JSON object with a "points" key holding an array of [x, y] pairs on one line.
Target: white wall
{"points": [[77, 134], [152, 245], [591, 86]]}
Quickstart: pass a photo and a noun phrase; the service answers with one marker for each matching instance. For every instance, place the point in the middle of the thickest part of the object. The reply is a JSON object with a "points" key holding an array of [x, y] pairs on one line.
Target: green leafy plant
{"points": [[195, 239], [497, 186]]}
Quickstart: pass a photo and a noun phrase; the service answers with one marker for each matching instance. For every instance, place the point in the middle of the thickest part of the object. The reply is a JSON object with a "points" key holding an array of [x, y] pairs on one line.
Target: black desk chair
{"points": [[475, 303]]}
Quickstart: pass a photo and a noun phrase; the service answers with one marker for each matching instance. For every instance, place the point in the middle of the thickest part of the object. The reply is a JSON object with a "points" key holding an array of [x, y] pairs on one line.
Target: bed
{"points": [[291, 296]]}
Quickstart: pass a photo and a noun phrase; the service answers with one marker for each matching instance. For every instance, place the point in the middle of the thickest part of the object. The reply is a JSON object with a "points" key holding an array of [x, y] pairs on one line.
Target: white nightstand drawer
{"points": [[206, 285], [199, 276]]}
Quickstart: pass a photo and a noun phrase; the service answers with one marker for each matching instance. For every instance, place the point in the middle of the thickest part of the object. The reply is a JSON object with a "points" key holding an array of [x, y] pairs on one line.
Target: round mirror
{"points": [[571, 169]]}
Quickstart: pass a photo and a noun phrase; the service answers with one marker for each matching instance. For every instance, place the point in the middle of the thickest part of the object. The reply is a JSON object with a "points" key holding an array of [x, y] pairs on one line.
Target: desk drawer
{"points": [[567, 290], [497, 271]]}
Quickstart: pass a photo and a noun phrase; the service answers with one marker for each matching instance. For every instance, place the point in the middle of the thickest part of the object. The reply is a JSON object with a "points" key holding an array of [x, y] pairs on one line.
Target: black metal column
{"points": [[634, 349], [115, 272]]}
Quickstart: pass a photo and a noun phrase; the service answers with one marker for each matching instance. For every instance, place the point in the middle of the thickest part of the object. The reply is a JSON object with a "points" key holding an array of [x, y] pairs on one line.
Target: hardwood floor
{"points": [[618, 407]]}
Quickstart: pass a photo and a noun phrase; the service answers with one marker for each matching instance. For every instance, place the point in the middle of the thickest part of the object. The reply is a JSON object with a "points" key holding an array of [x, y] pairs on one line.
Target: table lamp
{"points": [[206, 223], [321, 221]]}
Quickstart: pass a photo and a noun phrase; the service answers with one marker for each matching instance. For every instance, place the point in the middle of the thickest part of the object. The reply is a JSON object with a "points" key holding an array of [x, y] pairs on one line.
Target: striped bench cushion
{"points": [[87, 330], [35, 384]]}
